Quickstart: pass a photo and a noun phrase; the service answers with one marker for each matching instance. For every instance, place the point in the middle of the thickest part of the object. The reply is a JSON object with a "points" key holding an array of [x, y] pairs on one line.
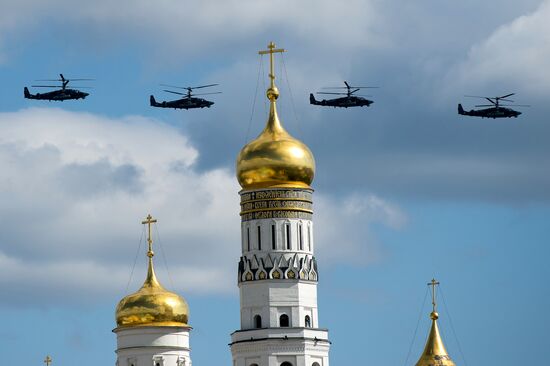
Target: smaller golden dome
{"points": [[434, 350], [152, 304]]}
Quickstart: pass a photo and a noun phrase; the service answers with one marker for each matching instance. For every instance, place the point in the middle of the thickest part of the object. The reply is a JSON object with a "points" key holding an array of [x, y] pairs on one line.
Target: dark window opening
{"points": [[248, 238], [301, 239], [259, 238], [286, 364], [273, 237], [287, 228], [283, 321], [308, 321], [257, 321], [309, 238]]}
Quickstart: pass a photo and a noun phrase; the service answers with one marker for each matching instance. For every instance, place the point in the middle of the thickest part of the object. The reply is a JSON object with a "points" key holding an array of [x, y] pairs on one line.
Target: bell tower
{"points": [[277, 272]]}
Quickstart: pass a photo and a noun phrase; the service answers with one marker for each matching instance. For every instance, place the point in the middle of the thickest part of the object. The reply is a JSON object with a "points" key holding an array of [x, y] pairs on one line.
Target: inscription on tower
{"points": [[277, 203]]}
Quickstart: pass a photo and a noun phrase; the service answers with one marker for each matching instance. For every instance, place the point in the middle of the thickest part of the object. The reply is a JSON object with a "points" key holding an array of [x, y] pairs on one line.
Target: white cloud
{"points": [[343, 227], [75, 186], [205, 24], [515, 56]]}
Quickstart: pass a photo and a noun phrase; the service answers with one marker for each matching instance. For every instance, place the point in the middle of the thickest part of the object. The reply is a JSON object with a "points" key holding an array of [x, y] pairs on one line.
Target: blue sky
{"points": [[405, 190]]}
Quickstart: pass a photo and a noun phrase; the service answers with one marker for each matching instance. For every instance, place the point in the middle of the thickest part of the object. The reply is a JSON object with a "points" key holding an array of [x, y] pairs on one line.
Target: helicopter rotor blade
{"points": [[347, 85], [45, 86], [354, 87], [474, 96], [492, 100], [189, 87], [174, 92], [63, 79], [353, 91], [485, 105], [331, 93], [174, 86], [506, 96], [203, 86], [208, 93], [514, 105]]}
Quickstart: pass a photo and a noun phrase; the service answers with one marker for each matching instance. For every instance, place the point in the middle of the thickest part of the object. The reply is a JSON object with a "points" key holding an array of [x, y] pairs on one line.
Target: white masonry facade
{"points": [[277, 278], [153, 346]]}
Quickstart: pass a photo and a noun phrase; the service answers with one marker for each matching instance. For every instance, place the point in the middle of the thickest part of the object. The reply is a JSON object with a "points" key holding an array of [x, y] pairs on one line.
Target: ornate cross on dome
{"points": [[149, 220], [48, 360], [271, 51], [433, 283]]}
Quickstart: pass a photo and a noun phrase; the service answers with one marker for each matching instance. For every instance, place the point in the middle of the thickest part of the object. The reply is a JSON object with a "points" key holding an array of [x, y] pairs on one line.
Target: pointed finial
{"points": [[434, 314], [434, 353], [149, 220], [151, 279], [48, 360], [272, 92]]}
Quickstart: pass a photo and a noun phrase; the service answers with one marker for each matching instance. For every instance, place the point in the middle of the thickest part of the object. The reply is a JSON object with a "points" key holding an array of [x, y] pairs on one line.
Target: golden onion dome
{"points": [[275, 159], [152, 304]]}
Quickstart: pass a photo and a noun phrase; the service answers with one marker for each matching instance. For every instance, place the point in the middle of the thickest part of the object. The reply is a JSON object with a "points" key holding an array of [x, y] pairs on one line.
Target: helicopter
{"points": [[350, 100], [187, 101], [496, 110], [57, 95]]}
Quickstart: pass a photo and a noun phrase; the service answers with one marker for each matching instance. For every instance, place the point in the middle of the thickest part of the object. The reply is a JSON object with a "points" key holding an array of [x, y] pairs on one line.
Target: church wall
{"points": [[272, 298], [153, 346]]}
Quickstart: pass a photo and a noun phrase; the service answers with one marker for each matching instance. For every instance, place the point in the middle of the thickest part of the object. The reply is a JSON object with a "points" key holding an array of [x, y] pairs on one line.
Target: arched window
{"points": [[259, 238], [273, 237], [257, 321], [315, 364], [283, 321], [286, 364], [287, 230], [300, 237], [248, 238], [309, 237], [308, 321]]}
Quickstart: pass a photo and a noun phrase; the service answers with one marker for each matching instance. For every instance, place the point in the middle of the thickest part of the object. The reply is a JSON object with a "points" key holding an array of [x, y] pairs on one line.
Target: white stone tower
{"points": [[152, 327], [277, 273]]}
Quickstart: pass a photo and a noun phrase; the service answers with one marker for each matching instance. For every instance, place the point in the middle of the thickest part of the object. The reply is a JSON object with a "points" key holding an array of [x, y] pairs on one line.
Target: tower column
{"points": [[277, 272]]}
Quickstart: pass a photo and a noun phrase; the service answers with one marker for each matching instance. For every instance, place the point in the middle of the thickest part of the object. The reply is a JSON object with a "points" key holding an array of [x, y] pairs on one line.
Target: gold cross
{"points": [[433, 283], [48, 360], [271, 51], [149, 220]]}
